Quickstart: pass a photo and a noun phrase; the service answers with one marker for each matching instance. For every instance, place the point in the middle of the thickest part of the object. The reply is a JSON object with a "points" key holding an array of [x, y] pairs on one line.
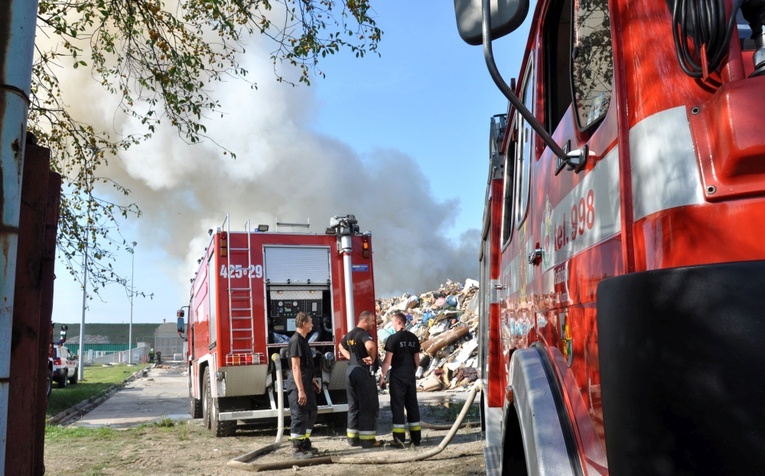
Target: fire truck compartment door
{"points": [[296, 265]]}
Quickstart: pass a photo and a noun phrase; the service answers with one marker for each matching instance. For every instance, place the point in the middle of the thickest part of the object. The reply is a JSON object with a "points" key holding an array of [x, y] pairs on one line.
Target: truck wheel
{"points": [[195, 407], [206, 398], [49, 385], [62, 381], [222, 429], [195, 404], [210, 412], [73, 379]]}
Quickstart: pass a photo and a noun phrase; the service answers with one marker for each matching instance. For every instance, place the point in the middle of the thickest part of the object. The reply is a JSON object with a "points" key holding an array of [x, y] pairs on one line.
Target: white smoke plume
{"points": [[284, 171]]}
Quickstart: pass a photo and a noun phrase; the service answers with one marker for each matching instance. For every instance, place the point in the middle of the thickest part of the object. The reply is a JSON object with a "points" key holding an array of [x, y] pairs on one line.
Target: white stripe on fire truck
{"points": [[665, 173]]}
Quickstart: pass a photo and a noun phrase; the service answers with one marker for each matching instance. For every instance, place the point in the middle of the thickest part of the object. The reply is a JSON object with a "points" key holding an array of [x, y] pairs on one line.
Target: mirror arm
{"points": [[577, 156]]}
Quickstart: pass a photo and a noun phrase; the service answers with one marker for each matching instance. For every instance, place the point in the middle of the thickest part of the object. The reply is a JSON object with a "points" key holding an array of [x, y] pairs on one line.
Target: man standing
{"points": [[402, 356], [301, 389], [359, 347]]}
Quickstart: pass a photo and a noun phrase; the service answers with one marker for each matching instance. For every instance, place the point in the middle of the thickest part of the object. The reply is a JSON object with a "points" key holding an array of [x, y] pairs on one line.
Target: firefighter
{"points": [[301, 389], [151, 355], [402, 357], [359, 347]]}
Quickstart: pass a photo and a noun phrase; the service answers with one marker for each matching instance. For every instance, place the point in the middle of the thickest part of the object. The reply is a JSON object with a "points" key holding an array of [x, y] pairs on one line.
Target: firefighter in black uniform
{"points": [[359, 347], [402, 356], [301, 389]]}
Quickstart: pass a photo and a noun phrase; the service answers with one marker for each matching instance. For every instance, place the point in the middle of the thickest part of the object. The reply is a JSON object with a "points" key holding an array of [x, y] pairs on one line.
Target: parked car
{"points": [[62, 366]]}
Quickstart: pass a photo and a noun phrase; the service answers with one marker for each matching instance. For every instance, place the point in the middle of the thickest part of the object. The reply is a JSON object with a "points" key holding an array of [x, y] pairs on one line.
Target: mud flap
{"points": [[681, 361]]}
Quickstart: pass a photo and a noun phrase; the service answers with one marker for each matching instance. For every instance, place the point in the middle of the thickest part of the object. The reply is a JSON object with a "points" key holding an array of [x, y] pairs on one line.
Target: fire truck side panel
{"points": [[625, 292], [491, 350]]}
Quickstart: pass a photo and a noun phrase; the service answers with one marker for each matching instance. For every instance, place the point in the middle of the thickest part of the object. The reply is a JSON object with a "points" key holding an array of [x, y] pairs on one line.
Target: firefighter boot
{"points": [[416, 436], [297, 450], [372, 443], [308, 448], [398, 438]]}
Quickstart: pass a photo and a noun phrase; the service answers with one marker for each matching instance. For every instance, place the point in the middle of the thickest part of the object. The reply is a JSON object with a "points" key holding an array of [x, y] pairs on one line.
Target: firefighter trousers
{"points": [[403, 396], [302, 417], [363, 404]]}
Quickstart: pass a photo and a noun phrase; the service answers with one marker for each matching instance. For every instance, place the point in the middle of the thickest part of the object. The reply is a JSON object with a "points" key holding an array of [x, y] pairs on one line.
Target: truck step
{"points": [[493, 457]]}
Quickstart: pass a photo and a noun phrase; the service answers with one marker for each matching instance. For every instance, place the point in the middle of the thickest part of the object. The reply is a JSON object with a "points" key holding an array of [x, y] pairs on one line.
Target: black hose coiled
{"points": [[704, 23]]}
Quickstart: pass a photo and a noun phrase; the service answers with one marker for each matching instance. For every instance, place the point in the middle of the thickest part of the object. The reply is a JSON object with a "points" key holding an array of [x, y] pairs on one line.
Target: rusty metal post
{"points": [[33, 306], [17, 37]]}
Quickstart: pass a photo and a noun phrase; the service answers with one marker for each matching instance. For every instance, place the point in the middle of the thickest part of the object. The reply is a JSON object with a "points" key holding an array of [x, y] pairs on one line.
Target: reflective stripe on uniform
{"points": [[367, 435]]}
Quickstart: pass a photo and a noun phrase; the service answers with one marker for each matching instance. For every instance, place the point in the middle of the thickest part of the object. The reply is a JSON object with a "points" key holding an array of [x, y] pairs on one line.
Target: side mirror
{"points": [[181, 323], [506, 17]]}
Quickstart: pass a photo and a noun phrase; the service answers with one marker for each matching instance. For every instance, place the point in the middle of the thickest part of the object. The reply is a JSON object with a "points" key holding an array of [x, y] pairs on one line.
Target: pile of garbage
{"points": [[446, 322]]}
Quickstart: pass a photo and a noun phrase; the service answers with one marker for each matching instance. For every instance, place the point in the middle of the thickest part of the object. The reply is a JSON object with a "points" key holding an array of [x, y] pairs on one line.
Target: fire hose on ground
{"points": [[244, 462]]}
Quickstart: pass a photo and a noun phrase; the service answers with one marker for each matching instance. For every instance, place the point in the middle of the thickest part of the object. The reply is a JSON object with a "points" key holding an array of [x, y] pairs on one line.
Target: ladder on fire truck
{"points": [[240, 303]]}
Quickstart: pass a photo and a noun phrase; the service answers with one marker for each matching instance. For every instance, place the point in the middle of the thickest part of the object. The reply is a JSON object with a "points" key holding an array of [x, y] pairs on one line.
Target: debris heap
{"points": [[446, 322]]}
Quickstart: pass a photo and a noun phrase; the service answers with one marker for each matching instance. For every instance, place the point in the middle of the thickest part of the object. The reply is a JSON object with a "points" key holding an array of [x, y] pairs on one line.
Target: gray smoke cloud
{"points": [[284, 171]]}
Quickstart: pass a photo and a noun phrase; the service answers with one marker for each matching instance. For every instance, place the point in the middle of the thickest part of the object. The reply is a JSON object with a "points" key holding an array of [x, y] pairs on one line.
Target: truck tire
{"points": [[62, 381], [206, 398], [222, 429], [195, 404], [210, 411], [49, 385], [73, 379]]}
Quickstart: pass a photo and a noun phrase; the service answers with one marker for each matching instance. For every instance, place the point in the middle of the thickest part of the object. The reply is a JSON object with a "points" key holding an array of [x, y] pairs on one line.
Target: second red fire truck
{"points": [[244, 298]]}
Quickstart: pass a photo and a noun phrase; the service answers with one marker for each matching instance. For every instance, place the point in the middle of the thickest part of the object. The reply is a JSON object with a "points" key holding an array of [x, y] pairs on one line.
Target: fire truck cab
{"points": [[244, 298]]}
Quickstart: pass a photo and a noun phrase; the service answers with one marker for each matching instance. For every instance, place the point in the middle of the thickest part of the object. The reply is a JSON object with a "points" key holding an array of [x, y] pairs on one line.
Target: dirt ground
{"points": [[187, 448]]}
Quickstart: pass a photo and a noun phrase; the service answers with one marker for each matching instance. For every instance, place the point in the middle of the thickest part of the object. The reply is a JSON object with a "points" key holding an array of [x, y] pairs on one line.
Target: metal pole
{"points": [[132, 280], [17, 40], [80, 359], [347, 248]]}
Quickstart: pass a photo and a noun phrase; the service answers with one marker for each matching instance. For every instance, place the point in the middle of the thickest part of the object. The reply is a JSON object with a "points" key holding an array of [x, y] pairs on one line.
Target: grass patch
{"points": [[164, 422], [54, 433], [95, 381]]}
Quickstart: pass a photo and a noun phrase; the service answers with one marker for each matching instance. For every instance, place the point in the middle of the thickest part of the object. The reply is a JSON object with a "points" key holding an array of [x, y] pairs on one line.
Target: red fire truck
{"points": [[244, 299], [622, 247]]}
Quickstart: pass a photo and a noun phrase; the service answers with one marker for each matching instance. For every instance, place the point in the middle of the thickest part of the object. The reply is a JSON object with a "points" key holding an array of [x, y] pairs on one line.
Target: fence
{"points": [[100, 354]]}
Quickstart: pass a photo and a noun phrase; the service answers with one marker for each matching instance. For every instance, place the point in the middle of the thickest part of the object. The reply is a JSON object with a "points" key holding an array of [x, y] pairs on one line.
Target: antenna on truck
{"points": [[306, 225]]}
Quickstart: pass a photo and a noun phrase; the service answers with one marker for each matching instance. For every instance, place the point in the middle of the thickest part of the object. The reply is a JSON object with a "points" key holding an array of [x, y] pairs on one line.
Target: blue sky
{"points": [[401, 141]]}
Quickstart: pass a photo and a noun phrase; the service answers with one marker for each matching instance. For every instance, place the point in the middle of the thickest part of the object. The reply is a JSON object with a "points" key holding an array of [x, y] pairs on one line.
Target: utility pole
{"points": [[132, 293], [17, 39]]}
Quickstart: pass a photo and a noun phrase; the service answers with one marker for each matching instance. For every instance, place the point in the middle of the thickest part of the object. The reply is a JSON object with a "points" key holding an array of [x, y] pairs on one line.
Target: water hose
{"points": [[363, 458], [419, 456], [241, 461]]}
